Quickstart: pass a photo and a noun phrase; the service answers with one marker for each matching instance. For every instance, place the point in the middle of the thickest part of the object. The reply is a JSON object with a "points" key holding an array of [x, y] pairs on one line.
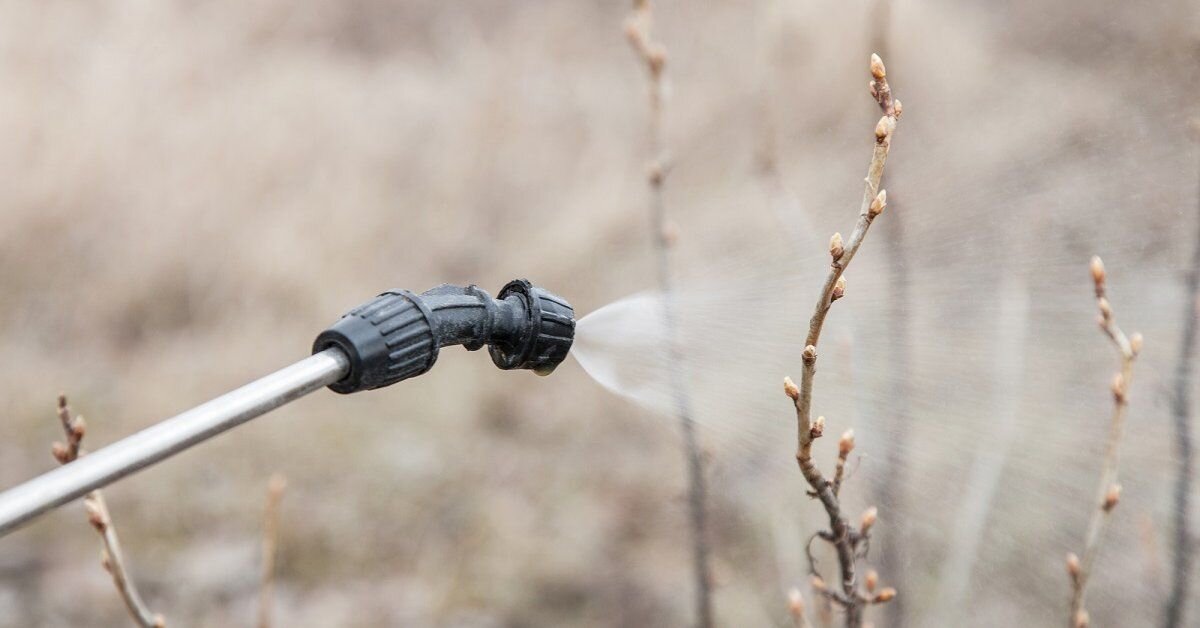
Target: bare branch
{"points": [[1109, 491], [849, 543], [638, 30], [98, 515]]}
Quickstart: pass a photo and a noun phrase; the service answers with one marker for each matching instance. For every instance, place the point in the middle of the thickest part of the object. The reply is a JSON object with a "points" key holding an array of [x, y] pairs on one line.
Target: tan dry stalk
{"points": [[270, 544]]}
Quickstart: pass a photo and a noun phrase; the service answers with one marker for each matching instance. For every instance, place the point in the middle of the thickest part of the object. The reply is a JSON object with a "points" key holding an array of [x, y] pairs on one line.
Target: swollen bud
{"points": [[872, 580], [1081, 619], [836, 248], [1112, 497], [879, 203], [809, 355], [886, 595], [839, 289], [656, 57], [846, 444], [795, 603], [1073, 566], [898, 107], [818, 583], [1118, 388], [1135, 343], [881, 129], [817, 429], [869, 517], [790, 389], [60, 452], [95, 515], [1098, 274], [877, 69], [78, 428]]}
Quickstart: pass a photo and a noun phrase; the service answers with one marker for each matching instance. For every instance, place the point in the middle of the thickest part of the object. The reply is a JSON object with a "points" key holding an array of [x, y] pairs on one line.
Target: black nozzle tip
{"points": [[547, 330]]}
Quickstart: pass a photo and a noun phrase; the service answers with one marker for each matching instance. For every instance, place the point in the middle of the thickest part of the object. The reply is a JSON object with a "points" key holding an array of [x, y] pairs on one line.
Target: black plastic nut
{"points": [[547, 334]]}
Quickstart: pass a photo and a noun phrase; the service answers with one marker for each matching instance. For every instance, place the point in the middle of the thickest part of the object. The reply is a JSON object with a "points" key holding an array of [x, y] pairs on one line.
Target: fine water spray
{"points": [[391, 338]]}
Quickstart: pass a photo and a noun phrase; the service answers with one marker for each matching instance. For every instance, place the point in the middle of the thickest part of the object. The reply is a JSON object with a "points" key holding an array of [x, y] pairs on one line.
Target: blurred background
{"points": [[192, 190]]}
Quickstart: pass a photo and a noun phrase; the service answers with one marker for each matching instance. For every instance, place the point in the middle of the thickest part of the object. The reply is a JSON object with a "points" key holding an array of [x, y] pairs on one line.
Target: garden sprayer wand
{"points": [[393, 337]]}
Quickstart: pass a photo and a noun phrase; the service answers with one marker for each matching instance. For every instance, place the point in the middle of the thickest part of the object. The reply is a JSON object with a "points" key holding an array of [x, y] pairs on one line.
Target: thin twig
{"points": [[270, 543], [1181, 411], [1109, 491], [111, 556], [849, 543], [638, 30]]}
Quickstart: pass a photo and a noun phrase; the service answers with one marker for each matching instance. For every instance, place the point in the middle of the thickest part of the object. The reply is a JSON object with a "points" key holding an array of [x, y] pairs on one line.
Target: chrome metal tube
{"points": [[171, 436]]}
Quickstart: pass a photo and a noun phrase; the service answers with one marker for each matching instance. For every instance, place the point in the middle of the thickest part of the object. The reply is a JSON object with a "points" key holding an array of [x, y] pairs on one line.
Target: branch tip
{"points": [[846, 444], [1098, 274], [878, 71]]}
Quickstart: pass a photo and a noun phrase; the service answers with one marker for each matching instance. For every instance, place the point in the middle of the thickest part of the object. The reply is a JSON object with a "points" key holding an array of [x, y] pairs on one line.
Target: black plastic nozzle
{"points": [[397, 334]]}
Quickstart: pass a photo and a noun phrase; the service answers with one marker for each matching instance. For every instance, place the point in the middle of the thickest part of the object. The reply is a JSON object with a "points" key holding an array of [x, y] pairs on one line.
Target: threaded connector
{"points": [[397, 335]]}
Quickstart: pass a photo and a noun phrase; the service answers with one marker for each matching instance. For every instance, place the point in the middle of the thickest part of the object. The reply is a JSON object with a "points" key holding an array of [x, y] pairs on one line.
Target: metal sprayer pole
{"points": [[99, 468]]}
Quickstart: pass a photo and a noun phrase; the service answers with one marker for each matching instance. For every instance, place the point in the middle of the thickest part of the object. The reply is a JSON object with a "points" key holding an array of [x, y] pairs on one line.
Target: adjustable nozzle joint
{"points": [[397, 334]]}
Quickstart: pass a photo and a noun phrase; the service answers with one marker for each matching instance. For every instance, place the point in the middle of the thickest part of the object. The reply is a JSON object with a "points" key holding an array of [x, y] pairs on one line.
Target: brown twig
{"points": [[1109, 492], [111, 556], [270, 543], [848, 542], [638, 30]]}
